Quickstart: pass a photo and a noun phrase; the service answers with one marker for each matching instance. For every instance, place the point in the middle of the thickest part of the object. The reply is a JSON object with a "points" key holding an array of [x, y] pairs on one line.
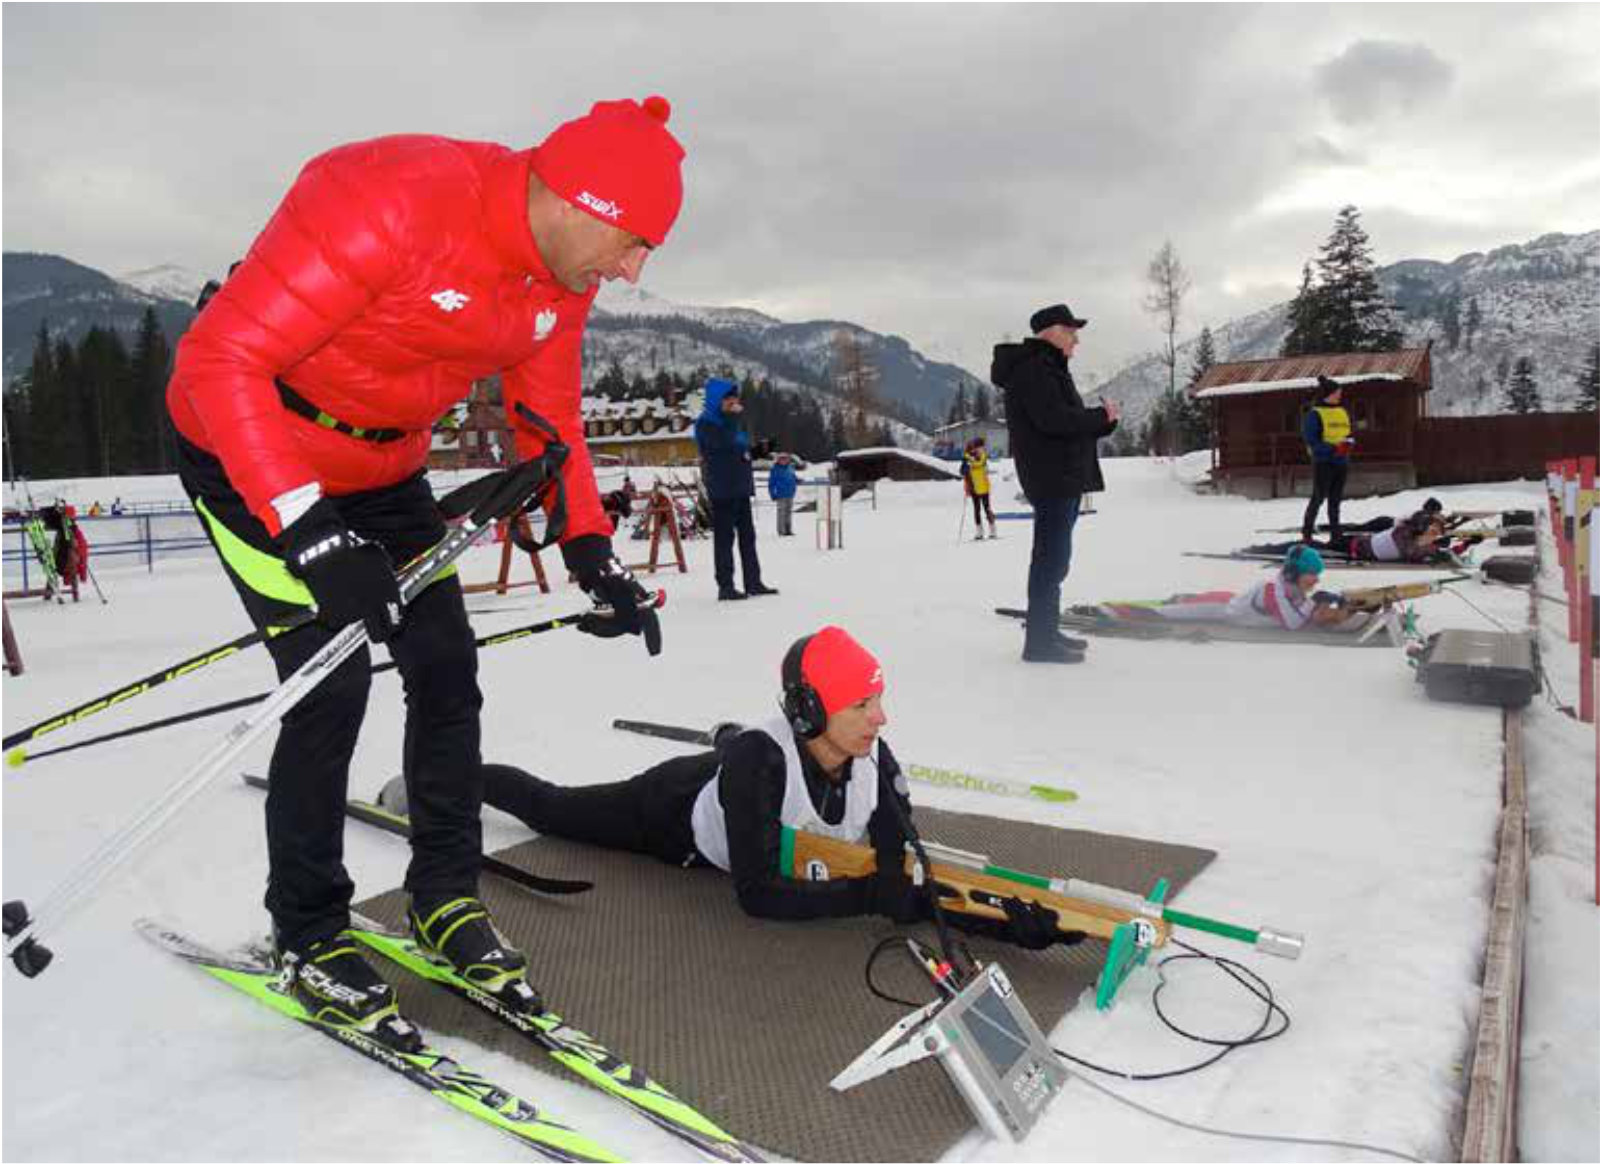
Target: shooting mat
{"points": [[748, 1019]]}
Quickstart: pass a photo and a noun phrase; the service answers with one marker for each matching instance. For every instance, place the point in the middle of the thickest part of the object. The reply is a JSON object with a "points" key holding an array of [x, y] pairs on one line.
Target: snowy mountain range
{"points": [[640, 332], [1539, 299], [69, 299]]}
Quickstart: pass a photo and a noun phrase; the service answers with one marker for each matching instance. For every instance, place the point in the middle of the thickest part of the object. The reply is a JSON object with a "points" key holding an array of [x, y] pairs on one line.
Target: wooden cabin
{"points": [[1258, 407]]}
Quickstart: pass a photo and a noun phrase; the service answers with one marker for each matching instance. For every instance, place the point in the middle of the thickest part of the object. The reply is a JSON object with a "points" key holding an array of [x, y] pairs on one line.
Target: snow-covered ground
{"points": [[1342, 803]]}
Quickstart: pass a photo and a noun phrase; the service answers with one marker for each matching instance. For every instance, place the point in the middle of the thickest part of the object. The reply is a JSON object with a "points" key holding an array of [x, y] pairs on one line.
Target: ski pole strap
{"points": [[300, 406], [504, 494]]}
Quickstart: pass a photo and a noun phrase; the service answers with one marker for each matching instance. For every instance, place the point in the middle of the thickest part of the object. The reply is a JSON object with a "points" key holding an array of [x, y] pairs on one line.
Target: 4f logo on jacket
{"points": [[449, 301], [544, 323], [602, 206]]}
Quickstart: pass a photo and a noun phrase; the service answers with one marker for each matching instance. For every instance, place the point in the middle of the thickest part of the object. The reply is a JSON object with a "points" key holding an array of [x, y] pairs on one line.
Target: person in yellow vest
{"points": [[975, 475], [1328, 438]]}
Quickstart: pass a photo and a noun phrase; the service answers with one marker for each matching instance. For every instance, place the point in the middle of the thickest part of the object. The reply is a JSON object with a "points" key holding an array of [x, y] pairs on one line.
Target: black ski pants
{"points": [[980, 506], [649, 814], [308, 889], [730, 517], [1327, 484]]}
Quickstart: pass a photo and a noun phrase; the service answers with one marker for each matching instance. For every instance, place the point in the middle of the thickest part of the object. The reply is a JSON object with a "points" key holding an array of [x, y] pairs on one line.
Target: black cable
{"points": [[1262, 1033], [872, 960]]}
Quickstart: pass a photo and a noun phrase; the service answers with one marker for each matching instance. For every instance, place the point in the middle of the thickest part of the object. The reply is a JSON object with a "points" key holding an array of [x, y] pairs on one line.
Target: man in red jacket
{"points": [[394, 274]]}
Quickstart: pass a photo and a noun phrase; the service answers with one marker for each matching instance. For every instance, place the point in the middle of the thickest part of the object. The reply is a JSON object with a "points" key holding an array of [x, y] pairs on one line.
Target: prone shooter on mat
{"points": [[1417, 539], [821, 768]]}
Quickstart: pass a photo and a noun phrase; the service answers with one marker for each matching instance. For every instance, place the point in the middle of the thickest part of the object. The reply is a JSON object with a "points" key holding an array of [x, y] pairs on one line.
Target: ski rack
{"points": [[987, 1042]]}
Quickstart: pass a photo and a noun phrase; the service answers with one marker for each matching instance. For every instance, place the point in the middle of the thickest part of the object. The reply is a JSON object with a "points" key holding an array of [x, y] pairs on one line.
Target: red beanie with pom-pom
{"points": [[618, 163]]}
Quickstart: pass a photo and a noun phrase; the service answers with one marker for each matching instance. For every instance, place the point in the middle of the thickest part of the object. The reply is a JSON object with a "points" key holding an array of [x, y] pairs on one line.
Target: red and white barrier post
{"points": [[1583, 552], [1569, 533]]}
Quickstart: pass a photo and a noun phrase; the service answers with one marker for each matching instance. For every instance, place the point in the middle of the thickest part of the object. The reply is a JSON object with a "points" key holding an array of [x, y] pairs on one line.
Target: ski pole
{"points": [[140, 686], [24, 930], [454, 504], [20, 756]]}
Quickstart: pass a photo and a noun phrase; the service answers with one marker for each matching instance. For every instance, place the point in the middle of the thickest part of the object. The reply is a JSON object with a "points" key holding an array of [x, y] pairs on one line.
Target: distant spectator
{"points": [[116, 507], [1326, 430], [730, 484], [975, 477], [782, 483]]}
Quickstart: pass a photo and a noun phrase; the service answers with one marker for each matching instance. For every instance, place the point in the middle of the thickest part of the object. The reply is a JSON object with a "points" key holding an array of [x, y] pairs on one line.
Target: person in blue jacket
{"points": [[730, 484], [782, 484], [1328, 438]]}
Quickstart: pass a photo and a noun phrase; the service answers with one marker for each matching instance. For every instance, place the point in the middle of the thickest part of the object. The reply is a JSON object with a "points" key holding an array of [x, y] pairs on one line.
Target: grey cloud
{"points": [[1318, 150], [937, 171], [1375, 77]]}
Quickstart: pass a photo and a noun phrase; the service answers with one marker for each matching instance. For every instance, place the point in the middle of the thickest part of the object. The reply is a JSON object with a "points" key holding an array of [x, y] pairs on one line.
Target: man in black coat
{"points": [[1053, 438]]}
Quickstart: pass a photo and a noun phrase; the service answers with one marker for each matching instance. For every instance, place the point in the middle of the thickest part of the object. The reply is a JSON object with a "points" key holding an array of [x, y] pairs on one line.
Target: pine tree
{"points": [[838, 441], [1306, 327], [1450, 320], [1194, 415], [1473, 323], [149, 443], [958, 406], [1523, 394], [982, 404], [1589, 382], [1356, 316]]}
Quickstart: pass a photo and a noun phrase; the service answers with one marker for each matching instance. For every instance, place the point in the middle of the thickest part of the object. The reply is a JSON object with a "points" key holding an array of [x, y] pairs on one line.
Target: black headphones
{"points": [[802, 706]]}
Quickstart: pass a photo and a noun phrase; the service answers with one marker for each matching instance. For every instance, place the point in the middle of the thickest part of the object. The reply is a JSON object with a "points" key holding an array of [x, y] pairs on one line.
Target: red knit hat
{"points": [[619, 164], [840, 669]]}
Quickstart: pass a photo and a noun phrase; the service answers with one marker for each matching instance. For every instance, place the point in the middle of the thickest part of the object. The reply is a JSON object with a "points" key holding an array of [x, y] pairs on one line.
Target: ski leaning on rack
{"points": [[573, 1049], [252, 973]]}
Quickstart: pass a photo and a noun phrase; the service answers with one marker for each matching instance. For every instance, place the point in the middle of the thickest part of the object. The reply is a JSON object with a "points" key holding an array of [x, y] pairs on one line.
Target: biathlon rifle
{"points": [[968, 883], [1375, 598]]}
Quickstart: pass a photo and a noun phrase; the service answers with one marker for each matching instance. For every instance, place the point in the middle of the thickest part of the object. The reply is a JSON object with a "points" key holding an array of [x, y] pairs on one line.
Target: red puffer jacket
{"points": [[394, 273]]}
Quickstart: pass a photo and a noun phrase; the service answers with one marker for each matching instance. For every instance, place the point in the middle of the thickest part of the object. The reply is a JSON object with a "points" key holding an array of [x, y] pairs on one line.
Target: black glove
{"points": [[610, 583], [350, 578], [1033, 927], [1327, 598], [891, 894]]}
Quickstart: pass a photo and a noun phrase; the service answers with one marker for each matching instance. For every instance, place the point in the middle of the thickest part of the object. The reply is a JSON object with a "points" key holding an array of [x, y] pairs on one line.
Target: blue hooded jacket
{"points": [[724, 447], [782, 482]]}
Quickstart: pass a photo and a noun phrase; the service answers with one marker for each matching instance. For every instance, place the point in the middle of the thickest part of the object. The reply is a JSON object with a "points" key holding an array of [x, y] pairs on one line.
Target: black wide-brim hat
{"points": [[1053, 315]]}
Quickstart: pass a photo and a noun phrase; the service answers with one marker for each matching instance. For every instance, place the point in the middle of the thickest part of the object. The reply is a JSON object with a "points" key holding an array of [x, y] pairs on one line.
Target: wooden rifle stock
{"points": [[980, 888]]}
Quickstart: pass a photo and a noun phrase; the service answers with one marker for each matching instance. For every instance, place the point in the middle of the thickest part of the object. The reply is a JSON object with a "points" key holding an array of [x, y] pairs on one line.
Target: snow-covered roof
{"points": [[640, 438], [1297, 384], [908, 454]]}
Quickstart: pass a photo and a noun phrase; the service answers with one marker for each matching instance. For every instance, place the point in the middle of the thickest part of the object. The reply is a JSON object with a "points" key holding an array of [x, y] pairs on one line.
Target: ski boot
{"points": [[338, 988], [458, 932]]}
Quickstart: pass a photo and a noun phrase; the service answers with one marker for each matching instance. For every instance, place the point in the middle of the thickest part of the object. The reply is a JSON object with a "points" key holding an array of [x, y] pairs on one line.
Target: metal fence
{"points": [[127, 539]]}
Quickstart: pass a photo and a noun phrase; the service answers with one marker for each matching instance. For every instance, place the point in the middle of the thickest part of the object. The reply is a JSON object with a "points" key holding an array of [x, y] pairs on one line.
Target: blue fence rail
{"points": [[173, 529]]}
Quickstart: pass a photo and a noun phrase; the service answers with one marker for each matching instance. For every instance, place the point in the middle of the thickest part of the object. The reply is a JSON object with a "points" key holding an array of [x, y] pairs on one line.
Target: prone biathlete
{"points": [[1415, 539], [821, 767], [1287, 600]]}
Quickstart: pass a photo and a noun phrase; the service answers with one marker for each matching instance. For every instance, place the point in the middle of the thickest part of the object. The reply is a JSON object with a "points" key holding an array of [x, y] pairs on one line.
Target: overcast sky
{"points": [[936, 171]]}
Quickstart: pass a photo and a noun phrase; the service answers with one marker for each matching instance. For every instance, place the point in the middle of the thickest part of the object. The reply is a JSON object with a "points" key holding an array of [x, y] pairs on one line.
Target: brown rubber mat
{"points": [[748, 1019]]}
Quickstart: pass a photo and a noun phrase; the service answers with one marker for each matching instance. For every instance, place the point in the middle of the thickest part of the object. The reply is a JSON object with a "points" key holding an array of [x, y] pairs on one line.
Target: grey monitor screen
{"points": [[995, 1031]]}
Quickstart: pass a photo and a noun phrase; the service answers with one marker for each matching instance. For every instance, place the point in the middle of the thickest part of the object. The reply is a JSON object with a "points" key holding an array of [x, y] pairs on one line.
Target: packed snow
{"points": [[1341, 801]]}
